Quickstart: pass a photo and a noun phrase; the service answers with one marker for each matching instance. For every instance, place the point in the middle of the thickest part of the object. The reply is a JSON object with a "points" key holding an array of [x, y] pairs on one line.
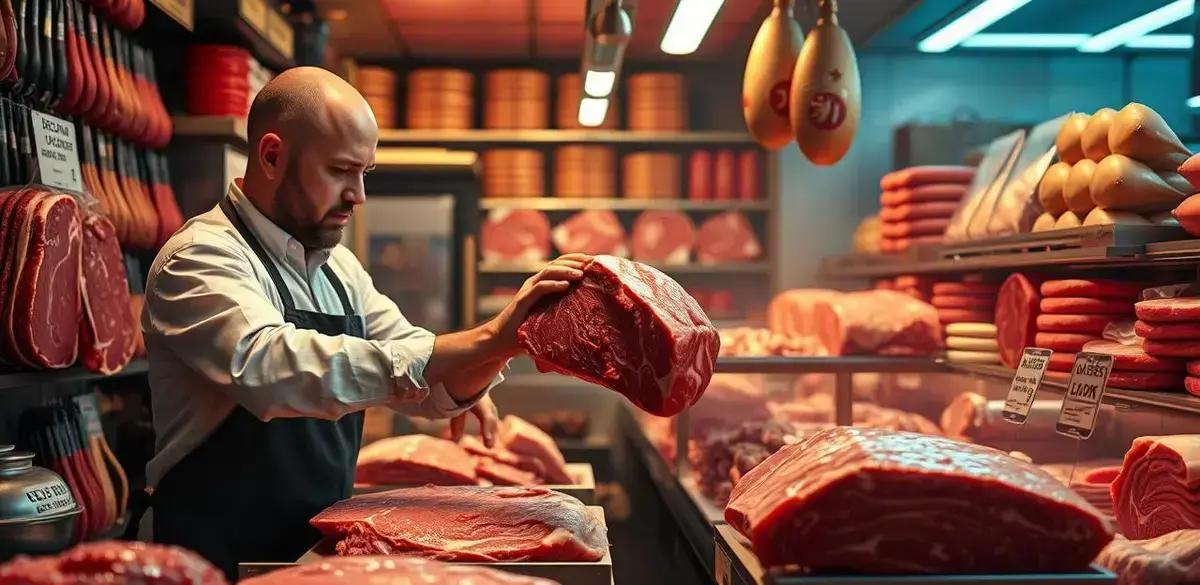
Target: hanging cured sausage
{"points": [[826, 93], [766, 84]]}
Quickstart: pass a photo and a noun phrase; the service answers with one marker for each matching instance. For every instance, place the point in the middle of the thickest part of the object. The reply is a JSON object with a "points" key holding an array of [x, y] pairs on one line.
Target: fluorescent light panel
{"points": [[968, 24], [599, 83], [592, 111], [689, 24], [1161, 42], [1025, 41], [1194, 101], [1149, 22]]}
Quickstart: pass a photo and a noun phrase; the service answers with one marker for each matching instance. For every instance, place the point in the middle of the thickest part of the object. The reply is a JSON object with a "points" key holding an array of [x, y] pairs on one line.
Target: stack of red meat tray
{"points": [[1170, 329], [966, 310], [917, 203], [218, 80]]}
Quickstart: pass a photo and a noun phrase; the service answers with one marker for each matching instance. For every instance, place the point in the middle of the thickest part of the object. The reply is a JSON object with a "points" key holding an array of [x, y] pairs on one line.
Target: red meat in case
{"points": [[727, 237], [1145, 380], [1169, 310], [465, 523], [973, 289], [1016, 317], [524, 439], [521, 235], [925, 194], [1092, 288], [1177, 348], [1192, 385], [415, 460], [927, 175], [934, 226], [1071, 342], [1133, 357], [1086, 306], [1155, 492], [876, 501], [880, 322], [1073, 323], [106, 337], [700, 185], [390, 571], [914, 211], [978, 303], [663, 236], [629, 328], [1178, 330], [592, 232]]}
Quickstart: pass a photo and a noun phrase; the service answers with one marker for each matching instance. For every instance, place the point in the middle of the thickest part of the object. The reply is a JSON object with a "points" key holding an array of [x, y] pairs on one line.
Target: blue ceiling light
{"points": [[1025, 41], [965, 26], [1140, 26], [1194, 101], [1161, 42]]}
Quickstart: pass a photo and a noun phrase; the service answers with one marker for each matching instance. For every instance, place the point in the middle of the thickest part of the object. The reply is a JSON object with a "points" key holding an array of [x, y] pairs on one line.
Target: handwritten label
{"points": [[1025, 384], [254, 12], [91, 415], [50, 498], [58, 160], [181, 10], [1089, 376], [280, 34]]}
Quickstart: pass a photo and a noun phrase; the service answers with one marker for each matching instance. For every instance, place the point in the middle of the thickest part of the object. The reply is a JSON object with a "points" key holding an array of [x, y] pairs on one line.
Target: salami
{"points": [[916, 227], [928, 175], [1016, 316]]}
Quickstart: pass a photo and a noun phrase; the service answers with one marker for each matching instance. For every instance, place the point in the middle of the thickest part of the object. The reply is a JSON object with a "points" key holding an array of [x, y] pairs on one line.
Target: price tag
{"points": [[91, 415], [254, 12], [1025, 384], [181, 10], [58, 160], [1089, 376], [280, 34]]}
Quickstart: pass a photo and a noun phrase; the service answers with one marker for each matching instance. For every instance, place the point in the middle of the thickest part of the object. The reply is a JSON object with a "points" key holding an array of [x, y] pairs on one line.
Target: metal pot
{"points": [[37, 511]]}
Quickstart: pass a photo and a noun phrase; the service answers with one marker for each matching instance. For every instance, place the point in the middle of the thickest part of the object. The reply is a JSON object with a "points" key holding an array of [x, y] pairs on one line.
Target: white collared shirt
{"points": [[216, 338]]}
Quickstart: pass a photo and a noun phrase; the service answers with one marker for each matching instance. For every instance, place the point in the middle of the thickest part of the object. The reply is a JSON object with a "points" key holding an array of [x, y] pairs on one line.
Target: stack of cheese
{"points": [[585, 171], [566, 105], [516, 99], [651, 175], [378, 86], [513, 172], [917, 203], [1170, 329], [965, 309], [1075, 312], [972, 343], [1114, 168], [657, 102], [440, 99]]}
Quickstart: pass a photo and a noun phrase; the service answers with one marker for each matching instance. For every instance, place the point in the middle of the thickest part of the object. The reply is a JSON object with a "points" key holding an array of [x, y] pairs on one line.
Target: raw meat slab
{"points": [[1073, 323], [1178, 348], [106, 331], [390, 571], [1169, 310], [912, 211], [1145, 380], [663, 236], [951, 316], [1016, 316], [981, 303], [520, 437], [1132, 357], [1092, 288], [1156, 491], [879, 322], [1069, 342], [1086, 306], [1179, 330], [981, 289], [629, 328], [415, 460], [1192, 385], [115, 562]]}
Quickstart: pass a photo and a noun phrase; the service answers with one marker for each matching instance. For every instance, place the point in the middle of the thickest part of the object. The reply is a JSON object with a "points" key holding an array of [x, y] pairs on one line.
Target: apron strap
{"points": [[336, 283], [280, 286]]}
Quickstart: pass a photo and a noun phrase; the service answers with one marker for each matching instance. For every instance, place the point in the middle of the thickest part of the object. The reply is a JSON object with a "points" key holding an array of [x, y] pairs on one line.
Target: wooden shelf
{"points": [[619, 204], [228, 129], [732, 268], [392, 137], [73, 374]]}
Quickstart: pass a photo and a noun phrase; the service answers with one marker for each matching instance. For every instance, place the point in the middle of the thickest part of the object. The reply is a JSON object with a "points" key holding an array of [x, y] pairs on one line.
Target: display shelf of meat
{"points": [[736, 564], [1096, 246], [694, 268], [575, 573], [617, 204], [396, 137], [21, 379], [254, 24], [583, 488], [1176, 401]]}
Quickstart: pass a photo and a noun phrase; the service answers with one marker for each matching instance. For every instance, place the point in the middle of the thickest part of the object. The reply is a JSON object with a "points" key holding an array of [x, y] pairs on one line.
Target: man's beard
{"points": [[315, 235]]}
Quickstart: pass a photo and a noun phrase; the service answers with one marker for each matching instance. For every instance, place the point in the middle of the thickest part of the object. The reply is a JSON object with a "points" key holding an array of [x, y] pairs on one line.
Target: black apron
{"points": [[247, 492]]}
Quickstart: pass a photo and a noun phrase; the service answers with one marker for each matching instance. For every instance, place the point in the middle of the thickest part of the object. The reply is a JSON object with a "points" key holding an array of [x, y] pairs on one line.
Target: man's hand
{"points": [[489, 421], [555, 278]]}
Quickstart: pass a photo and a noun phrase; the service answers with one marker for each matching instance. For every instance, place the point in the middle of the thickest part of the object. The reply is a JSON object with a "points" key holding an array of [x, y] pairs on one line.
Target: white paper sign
{"points": [[1025, 384], [91, 416], [58, 159], [1089, 376]]}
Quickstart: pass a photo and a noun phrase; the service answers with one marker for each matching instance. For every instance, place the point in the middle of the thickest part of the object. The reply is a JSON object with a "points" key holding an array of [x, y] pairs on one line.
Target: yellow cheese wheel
{"points": [[1050, 190], [1119, 182], [1095, 135], [1068, 143], [1077, 191]]}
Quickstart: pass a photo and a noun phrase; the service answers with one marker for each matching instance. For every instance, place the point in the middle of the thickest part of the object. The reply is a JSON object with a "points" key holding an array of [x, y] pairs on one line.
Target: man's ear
{"points": [[271, 155]]}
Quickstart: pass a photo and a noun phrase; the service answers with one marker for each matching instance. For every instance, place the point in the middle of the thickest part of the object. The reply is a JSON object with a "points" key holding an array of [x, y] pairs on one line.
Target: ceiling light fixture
{"points": [[592, 111], [337, 15], [599, 83], [1151, 21], [1194, 101], [1161, 42], [963, 27], [689, 24], [1025, 41]]}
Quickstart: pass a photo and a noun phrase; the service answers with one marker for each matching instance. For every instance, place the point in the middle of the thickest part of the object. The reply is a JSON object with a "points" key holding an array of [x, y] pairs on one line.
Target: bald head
{"points": [[312, 137]]}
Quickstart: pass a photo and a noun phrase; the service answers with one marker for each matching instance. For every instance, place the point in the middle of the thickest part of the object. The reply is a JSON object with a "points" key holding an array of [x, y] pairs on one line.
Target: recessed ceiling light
{"points": [[1025, 41], [1151, 21], [963, 27], [592, 111], [688, 25], [1161, 42]]}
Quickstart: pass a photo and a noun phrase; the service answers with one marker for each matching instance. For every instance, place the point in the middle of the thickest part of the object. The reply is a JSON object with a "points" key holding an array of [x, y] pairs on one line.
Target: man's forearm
{"points": [[465, 361]]}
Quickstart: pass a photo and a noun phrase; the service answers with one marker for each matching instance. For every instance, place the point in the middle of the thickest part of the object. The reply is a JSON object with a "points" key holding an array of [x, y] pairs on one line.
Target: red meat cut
{"points": [[1133, 357], [629, 328], [1170, 559], [927, 175], [499, 454], [592, 232], [1073, 323], [1182, 330], [1093, 288], [880, 322], [114, 562], [727, 237], [465, 524], [44, 302], [415, 460], [520, 437], [878, 501], [663, 236], [1016, 317], [521, 235], [106, 337], [1169, 310], [1157, 489], [390, 571]]}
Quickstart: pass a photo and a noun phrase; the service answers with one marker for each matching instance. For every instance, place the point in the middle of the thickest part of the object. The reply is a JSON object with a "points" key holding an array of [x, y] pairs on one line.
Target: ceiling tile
{"points": [[457, 11]]}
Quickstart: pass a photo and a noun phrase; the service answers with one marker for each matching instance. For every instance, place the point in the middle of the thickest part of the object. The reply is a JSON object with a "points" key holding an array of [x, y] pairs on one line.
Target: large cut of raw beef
{"points": [[878, 501], [877, 322], [727, 237], [415, 460], [629, 328], [515, 235], [593, 231], [390, 571], [466, 524], [1170, 559], [793, 312], [41, 306], [113, 562], [519, 436], [106, 337], [663, 236], [1158, 488], [501, 454]]}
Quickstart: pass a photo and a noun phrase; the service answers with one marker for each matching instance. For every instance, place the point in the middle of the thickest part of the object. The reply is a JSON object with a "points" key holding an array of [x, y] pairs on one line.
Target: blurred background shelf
{"points": [[33, 378], [618, 204], [731, 268], [392, 137]]}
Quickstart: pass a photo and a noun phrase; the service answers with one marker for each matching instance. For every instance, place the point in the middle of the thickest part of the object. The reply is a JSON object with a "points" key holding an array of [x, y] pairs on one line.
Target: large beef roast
{"points": [[629, 328]]}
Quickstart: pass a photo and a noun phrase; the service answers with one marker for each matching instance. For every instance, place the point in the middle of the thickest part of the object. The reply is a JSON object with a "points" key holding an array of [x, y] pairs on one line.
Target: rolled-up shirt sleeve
{"points": [[207, 305]]}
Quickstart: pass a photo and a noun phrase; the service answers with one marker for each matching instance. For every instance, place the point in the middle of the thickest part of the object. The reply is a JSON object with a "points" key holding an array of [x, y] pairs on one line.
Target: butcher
{"points": [[267, 339]]}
